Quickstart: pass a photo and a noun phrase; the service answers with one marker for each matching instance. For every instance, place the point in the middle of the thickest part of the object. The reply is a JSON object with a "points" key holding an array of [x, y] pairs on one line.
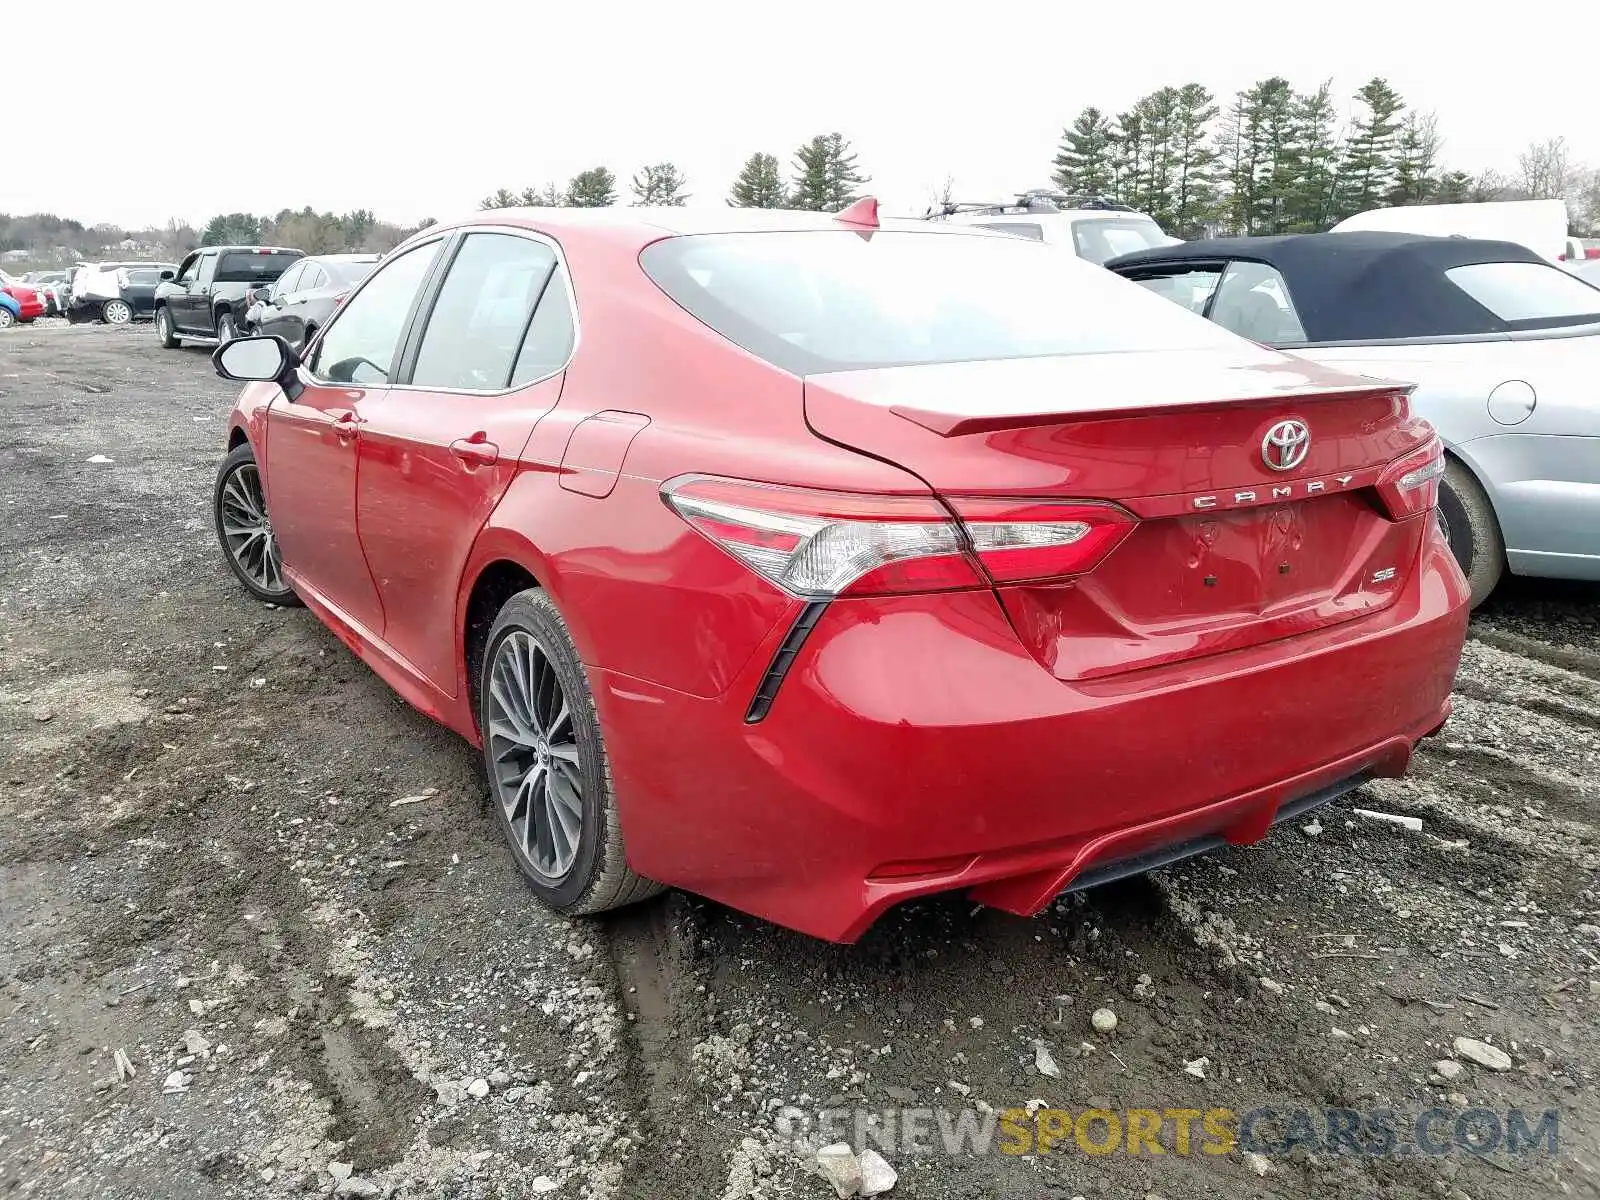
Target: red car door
{"points": [[440, 448], [311, 450]]}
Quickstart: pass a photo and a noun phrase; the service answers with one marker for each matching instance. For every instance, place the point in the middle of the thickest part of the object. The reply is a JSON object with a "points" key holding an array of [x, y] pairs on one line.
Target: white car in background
{"points": [[1540, 225], [1093, 227]]}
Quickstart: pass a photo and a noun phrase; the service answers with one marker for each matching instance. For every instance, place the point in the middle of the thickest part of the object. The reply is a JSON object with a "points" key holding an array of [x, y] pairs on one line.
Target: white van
{"points": [[1540, 225]]}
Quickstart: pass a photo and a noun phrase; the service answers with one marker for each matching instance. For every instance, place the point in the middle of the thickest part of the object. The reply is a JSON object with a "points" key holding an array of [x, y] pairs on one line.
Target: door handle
{"points": [[475, 451], [347, 426]]}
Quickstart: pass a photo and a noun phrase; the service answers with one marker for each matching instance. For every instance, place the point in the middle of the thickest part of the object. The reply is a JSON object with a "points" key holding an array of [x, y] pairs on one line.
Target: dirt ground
{"points": [[232, 859]]}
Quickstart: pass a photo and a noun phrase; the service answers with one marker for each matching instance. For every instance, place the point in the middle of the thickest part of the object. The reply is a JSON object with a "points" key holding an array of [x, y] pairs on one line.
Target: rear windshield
{"points": [[827, 300], [1528, 295], [1100, 240], [348, 272], [253, 266]]}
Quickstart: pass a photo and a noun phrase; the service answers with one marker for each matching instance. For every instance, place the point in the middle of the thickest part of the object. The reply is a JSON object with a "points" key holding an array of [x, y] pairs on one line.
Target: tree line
{"points": [[1274, 159], [47, 238], [824, 178], [1279, 160]]}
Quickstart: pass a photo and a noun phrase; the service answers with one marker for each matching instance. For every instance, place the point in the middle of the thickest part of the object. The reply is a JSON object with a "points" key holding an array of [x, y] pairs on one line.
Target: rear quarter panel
{"points": [[643, 594]]}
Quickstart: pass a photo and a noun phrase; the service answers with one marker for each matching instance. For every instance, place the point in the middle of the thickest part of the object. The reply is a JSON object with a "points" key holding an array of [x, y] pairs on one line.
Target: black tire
{"points": [[116, 312], [1469, 525], [227, 327], [240, 458], [164, 328], [598, 877]]}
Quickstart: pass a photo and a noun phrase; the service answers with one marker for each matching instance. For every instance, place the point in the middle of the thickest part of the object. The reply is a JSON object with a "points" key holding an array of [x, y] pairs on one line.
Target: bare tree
{"points": [[1495, 185], [1546, 169]]}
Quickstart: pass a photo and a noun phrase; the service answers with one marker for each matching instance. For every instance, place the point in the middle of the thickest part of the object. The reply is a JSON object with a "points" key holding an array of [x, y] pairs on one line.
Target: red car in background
{"points": [[30, 302], [815, 563]]}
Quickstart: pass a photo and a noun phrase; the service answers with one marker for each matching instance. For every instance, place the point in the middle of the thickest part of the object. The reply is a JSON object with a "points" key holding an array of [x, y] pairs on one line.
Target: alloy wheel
{"points": [[6, 319], [117, 312], [535, 762], [248, 531]]}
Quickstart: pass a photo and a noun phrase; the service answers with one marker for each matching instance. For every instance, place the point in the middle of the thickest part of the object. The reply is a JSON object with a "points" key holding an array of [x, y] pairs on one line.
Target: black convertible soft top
{"points": [[1358, 286]]}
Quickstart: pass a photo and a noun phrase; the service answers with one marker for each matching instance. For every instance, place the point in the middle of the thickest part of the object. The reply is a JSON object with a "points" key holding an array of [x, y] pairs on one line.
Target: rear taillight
{"points": [[1410, 484], [1024, 541], [340, 298], [821, 544]]}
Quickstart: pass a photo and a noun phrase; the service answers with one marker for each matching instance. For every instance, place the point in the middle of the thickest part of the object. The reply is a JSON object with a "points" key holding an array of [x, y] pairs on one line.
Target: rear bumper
{"points": [[916, 747]]}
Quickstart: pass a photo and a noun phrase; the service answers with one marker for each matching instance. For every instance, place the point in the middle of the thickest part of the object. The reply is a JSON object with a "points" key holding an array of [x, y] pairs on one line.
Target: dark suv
{"points": [[206, 297]]}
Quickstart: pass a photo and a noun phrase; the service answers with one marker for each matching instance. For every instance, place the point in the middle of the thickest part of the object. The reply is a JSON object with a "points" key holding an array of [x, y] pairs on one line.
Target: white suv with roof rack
{"points": [[1094, 228]]}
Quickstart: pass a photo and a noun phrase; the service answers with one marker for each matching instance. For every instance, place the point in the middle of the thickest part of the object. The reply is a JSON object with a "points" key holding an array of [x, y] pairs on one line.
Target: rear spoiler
{"points": [[954, 424]]}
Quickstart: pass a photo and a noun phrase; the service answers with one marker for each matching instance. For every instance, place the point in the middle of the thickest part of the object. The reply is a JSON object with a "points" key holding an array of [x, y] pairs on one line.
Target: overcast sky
{"points": [[138, 114]]}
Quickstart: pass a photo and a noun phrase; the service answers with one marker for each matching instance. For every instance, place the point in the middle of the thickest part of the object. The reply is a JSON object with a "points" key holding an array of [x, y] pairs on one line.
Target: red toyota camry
{"points": [[813, 563]]}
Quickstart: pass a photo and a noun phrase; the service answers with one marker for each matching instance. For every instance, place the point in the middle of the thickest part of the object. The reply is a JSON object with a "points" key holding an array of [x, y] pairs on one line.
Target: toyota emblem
{"points": [[1286, 445]]}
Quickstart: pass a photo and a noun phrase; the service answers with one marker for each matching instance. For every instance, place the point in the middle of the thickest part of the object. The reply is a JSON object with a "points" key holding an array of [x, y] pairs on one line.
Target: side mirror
{"points": [[262, 294], [255, 359], [166, 275]]}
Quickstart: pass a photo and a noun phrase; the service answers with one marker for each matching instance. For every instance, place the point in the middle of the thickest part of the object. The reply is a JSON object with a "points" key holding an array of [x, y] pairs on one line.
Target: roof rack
{"points": [[1036, 200]]}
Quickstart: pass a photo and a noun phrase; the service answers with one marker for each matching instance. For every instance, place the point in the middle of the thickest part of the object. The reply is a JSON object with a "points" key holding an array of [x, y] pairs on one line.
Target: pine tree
{"points": [[1125, 156], [502, 198], [826, 178], [1152, 193], [1240, 149], [759, 184], [1282, 159], [1310, 203], [1082, 163], [549, 196], [1369, 165], [1454, 187], [594, 188], [1416, 161], [1194, 190], [660, 183]]}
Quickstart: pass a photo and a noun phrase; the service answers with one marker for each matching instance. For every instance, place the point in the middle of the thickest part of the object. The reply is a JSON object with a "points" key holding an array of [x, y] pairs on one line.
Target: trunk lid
{"points": [[1229, 552]]}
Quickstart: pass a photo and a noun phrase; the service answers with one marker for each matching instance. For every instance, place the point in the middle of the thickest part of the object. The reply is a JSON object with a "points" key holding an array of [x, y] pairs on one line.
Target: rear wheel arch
{"points": [[1468, 507], [496, 582]]}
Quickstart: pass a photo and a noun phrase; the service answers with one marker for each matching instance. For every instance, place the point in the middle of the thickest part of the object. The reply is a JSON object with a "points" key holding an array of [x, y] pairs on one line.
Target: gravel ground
{"points": [[236, 865]]}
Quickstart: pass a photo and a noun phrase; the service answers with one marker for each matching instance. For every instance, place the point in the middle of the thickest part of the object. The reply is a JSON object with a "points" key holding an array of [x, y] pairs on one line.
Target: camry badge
{"points": [[1286, 445]]}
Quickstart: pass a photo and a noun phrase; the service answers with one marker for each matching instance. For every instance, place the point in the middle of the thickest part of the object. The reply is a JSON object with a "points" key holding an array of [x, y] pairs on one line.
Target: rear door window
{"points": [[551, 334], [1253, 301], [314, 277], [483, 312], [1528, 295], [208, 269]]}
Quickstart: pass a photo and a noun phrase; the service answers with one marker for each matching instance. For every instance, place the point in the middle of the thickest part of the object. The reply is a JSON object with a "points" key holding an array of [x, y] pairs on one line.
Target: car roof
{"points": [[251, 249], [343, 258], [1358, 286], [648, 224], [1075, 214]]}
